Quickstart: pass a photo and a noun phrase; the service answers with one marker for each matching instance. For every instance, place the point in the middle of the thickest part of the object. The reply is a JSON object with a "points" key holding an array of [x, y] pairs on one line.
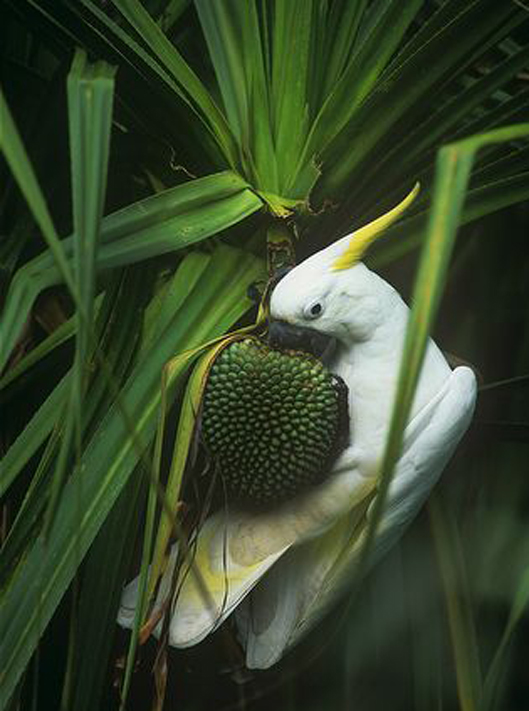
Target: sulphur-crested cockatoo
{"points": [[280, 570]]}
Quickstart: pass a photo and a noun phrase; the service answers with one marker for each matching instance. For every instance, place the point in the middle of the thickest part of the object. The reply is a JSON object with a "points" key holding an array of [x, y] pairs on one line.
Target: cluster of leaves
{"points": [[315, 115]]}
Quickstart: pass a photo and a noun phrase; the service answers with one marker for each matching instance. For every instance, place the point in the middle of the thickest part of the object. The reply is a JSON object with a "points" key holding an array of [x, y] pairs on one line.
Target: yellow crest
{"points": [[362, 238]]}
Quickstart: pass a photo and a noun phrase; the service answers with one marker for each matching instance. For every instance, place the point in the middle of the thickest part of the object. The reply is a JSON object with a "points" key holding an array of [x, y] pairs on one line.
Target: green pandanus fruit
{"points": [[273, 421]]}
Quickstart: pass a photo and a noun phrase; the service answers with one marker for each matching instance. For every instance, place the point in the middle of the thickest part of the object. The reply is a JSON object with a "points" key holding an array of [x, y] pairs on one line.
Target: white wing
{"points": [[306, 582], [235, 549], [213, 582]]}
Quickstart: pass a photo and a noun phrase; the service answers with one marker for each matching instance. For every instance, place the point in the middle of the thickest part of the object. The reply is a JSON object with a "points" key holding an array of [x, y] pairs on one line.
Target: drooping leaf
{"points": [[454, 165], [12, 147], [90, 102], [156, 225], [113, 452]]}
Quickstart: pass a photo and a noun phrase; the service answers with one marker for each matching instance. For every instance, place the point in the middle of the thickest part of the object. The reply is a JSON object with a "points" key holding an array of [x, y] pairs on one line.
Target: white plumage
{"points": [[281, 570]]}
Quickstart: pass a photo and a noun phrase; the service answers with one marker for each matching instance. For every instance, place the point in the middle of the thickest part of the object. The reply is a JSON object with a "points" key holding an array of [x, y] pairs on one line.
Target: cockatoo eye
{"points": [[313, 310]]}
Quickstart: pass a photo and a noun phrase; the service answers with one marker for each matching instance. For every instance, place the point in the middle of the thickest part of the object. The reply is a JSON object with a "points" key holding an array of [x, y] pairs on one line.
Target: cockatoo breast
{"points": [[370, 368]]}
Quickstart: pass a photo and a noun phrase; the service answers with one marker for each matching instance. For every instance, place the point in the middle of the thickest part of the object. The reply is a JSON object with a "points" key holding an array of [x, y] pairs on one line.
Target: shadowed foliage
{"points": [[154, 154]]}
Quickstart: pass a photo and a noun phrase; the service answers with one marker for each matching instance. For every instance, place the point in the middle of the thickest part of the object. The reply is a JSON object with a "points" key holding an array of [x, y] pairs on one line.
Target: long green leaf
{"points": [[386, 31], [454, 165], [159, 224], [215, 303], [90, 102], [34, 434], [148, 532], [59, 336], [458, 603], [107, 565], [409, 234], [12, 147], [234, 41], [415, 148], [344, 21], [171, 13], [453, 171], [289, 85], [117, 332], [407, 87], [447, 13], [183, 444], [223, 28], [169, 57], [170, 300], [511, 109], [497, 667], [25, 528]]}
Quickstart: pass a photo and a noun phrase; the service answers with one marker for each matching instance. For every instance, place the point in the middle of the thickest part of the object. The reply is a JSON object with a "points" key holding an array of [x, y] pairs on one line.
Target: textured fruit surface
{"points": [[272, 421]]}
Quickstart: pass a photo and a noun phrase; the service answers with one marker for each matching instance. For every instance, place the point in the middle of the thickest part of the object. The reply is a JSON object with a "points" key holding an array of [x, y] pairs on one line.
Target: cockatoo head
{"points": [[343, 305], [333, 293]]}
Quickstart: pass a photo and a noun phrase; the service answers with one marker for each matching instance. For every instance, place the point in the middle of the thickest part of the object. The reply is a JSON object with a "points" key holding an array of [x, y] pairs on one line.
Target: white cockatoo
{"points": [[280, 570]]}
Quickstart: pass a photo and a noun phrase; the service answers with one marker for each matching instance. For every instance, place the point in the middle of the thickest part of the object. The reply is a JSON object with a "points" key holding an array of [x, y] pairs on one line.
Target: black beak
{"points": [[297, 338]]}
